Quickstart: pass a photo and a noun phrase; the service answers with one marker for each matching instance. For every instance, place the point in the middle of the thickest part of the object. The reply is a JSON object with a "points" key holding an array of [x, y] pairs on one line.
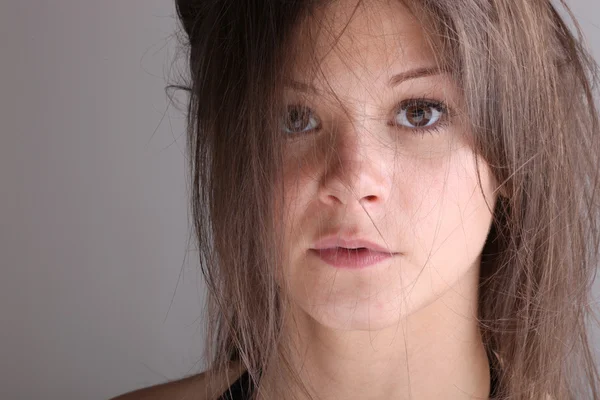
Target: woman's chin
{"points": [[364, 315]]}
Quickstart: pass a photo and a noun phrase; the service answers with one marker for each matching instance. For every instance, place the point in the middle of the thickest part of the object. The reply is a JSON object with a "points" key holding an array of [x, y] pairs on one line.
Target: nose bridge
{"points": [[357, 167], [356, 146]]}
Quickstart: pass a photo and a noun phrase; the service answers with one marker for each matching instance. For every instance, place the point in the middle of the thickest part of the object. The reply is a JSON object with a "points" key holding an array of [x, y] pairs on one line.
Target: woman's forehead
{"points": [[368, 41]]}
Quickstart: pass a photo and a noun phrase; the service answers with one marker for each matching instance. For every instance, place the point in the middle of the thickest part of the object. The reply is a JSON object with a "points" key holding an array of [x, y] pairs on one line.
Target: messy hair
{"points": [[528, 83]]}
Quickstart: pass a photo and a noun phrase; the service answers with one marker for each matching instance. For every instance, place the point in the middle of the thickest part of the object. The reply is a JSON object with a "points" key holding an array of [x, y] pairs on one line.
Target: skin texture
{"points": [[406, 327]]}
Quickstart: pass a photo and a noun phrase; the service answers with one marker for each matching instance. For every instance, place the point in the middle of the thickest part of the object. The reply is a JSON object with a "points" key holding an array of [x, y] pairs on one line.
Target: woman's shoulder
{"points": [[195, 387]]}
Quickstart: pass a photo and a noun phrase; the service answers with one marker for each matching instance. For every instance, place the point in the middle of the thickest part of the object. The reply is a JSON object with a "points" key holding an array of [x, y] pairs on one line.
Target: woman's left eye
{"points": [[300, 119], [420, 114]]}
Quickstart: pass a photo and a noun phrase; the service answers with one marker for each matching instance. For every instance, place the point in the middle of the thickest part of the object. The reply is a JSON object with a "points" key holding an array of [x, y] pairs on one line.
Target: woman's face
{"points": [[363, 161]]}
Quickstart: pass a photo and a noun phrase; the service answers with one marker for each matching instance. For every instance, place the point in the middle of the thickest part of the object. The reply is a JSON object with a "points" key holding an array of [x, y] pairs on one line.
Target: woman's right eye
{"points": [[300, 119]]}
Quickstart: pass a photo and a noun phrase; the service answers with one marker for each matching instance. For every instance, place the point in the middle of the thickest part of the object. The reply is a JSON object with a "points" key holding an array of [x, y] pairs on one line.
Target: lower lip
{"points": [[350, 258]]}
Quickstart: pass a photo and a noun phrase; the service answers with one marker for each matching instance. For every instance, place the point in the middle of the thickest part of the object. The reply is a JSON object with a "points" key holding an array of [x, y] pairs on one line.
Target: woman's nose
{"points": [[358, 170]]}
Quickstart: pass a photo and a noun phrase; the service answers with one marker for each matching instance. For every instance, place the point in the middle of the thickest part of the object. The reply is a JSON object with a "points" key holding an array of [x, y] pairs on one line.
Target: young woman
{"points": [[393, 199]]}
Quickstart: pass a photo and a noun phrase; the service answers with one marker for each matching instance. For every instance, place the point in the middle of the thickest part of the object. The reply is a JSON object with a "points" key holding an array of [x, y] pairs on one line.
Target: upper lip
{"points": [[349, 243]]}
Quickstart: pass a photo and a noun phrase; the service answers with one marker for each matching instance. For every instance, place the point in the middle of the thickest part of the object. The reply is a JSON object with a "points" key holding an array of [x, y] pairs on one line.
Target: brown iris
{"points": [[298, 119], [418, 115]]}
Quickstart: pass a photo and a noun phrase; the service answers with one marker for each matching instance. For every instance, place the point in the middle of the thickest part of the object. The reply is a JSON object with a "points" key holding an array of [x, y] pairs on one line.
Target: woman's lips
{"points": [[341, 257], [356, 242]]}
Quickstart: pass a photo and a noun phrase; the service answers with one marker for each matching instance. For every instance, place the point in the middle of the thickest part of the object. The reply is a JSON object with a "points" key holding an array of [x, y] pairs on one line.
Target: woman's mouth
{"points": [[341, 257]]}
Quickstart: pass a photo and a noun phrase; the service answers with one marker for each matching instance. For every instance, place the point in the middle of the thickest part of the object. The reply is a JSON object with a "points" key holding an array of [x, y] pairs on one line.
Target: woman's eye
{"points": [[419, 114], [300, 119]]}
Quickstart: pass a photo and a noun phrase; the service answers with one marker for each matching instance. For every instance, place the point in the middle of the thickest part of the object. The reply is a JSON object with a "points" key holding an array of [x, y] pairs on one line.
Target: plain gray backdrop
{"points": [[99, 288]]}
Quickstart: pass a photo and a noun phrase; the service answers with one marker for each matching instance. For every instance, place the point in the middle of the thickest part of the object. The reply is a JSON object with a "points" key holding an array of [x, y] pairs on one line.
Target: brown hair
{"points": [[528, 83]]}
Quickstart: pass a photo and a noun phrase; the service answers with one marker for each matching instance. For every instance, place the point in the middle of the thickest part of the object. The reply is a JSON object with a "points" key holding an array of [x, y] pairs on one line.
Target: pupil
{"points": [[298, 119], [418, 116]]}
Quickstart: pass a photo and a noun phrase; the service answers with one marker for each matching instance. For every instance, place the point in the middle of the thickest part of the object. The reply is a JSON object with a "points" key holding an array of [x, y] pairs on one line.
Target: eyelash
{"points": [[445, 111]]}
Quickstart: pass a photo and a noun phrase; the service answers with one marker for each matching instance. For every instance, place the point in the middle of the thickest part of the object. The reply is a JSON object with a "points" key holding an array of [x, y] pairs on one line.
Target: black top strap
{"points": [[240, 390]]}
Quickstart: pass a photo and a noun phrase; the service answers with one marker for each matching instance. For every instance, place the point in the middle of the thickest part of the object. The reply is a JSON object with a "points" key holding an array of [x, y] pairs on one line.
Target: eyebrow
{"points": [[413, 74], [395, 80]]}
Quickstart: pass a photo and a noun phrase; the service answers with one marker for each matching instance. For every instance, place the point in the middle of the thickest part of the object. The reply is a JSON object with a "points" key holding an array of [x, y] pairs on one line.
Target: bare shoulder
{"points": [[195, 387]]}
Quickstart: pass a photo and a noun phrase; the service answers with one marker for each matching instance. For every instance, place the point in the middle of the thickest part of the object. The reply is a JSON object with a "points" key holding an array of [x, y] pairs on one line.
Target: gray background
{"points": [[99, 291]]}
